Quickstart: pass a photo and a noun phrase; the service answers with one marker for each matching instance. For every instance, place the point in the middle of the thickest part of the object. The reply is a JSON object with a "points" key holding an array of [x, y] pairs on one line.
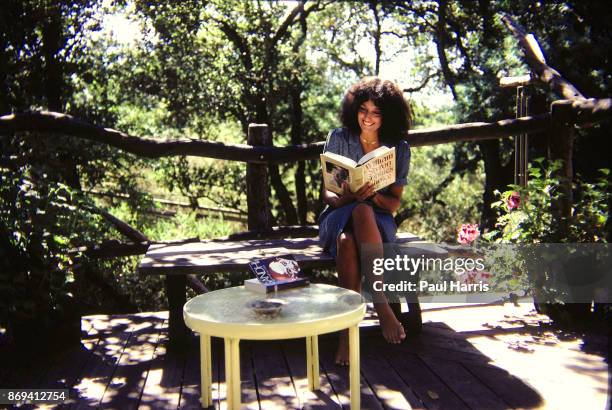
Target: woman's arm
{"points": [[332, 199], [391, 200]]}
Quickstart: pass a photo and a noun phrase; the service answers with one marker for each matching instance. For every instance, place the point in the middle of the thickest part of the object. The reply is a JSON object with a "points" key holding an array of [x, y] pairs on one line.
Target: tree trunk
{"points": [[52, 42], [440, 40], [296, 138], [283, 196], [497, 177], [561, 148], [258, 190], [51, 45], [376, 33]]}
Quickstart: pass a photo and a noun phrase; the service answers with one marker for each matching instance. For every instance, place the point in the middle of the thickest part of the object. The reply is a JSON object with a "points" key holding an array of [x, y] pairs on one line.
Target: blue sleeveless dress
{"points": [[332, 221]]}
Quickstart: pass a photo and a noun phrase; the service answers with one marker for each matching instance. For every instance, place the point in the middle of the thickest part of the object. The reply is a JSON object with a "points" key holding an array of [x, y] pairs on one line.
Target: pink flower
{"points": [[513, 201], [469, 277], [468, 233], [475, 276]]}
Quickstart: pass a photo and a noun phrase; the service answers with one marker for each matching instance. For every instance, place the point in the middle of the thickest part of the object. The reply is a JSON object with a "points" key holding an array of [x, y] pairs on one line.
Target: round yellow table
{"points": [[307, 312]]}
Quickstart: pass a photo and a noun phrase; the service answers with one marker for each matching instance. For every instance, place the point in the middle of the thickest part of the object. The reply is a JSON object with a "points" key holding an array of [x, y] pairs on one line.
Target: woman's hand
{"points": [[364, 192], [346, 197]]}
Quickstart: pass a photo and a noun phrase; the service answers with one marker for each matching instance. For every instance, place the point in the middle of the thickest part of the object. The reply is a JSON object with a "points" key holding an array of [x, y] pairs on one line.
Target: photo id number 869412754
{"points": [[33, 396]]}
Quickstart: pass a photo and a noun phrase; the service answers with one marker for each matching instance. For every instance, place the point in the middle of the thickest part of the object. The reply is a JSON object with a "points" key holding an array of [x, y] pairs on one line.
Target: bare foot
{"points": [[342, 354], [392, 329]]}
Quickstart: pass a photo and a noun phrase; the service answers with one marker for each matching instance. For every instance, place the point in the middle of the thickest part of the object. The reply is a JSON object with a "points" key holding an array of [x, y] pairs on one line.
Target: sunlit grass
{"points": [[183, 225], [188, 225]]}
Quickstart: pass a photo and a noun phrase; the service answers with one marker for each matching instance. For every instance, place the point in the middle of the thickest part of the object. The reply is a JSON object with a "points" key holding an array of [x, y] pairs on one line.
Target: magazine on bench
{"points": [[273, 274], [376, 167]]}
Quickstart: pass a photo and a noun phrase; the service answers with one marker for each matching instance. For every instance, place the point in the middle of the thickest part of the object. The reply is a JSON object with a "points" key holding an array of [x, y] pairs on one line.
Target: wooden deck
{"points": [[492, 357]]}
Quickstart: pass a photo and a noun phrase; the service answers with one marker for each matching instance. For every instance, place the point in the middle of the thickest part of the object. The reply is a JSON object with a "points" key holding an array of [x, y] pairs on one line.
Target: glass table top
{"points": [[299, 305]]}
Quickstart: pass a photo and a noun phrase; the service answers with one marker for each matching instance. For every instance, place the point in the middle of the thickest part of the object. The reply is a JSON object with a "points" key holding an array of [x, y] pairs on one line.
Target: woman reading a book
{"points": [[374, 113]]}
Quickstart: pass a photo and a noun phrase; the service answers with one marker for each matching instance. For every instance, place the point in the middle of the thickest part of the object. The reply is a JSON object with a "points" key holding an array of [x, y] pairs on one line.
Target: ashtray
{"points": [[266, 307]]}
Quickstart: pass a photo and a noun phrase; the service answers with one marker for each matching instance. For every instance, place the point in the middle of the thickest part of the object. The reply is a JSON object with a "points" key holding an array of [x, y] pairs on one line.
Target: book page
{"points": [[356, 179], [375, 153], [380, 172], [338, 159], [334, 174]]}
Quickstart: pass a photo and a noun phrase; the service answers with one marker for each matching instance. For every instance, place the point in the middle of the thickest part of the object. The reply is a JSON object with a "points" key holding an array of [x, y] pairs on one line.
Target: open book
{"points": [[376, 167]]}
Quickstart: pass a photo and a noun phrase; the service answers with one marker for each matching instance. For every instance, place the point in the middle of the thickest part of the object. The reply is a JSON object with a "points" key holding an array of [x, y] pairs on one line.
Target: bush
{"points": [[40, 222], [529, 215]]}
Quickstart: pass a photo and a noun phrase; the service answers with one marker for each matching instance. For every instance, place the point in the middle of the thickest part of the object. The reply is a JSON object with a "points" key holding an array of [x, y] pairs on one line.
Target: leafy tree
{"points": [[259, 48], [473, 50], [45, 63]]}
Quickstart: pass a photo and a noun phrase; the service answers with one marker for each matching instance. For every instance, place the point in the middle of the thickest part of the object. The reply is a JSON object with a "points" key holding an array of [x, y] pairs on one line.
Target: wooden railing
{"points": [[563, 117], [57, 123], [574, 112]]}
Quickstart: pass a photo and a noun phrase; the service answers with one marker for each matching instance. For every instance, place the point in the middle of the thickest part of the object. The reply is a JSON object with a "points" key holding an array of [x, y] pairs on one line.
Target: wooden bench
{"points": [[176, 261]]}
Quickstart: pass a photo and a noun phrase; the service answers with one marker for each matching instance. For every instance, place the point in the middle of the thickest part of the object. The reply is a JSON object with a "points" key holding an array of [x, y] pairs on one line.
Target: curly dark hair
{"points": [[386, 95]]}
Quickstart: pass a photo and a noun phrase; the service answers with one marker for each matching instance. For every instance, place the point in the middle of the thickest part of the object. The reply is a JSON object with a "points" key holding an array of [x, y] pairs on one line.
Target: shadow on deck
{"points": [[492, 357]]}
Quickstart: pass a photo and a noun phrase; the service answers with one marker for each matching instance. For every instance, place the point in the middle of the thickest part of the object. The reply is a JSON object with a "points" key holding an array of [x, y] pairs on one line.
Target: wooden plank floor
{"points": [[468, 357]]}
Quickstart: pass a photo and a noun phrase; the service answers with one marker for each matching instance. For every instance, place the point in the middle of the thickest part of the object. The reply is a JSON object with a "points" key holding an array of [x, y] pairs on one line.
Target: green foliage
{"points": [[534, 221], [209, 179], [42, 44], [591, 210], [530, 215], [537, 219], [261, 53], [41, 222], [439, 199], [146, 292]]}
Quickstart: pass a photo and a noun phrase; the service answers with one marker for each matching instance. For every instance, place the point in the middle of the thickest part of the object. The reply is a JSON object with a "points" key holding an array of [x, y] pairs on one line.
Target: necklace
{"points": [[367, 142]]}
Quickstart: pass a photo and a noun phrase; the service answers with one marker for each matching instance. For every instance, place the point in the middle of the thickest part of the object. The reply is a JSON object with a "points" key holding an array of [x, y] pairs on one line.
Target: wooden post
{"points": [[561, 148], [258, 188], [175, 292]]}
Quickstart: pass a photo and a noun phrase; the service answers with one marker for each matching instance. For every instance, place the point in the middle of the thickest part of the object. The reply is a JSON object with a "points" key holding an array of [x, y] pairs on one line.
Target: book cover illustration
{"points": [[376, 167], [277, 273]]}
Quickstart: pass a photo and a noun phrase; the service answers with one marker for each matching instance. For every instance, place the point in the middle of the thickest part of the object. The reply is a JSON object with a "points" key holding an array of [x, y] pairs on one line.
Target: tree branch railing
{"points": [[580, 112], [584, 112], [56, 123]]}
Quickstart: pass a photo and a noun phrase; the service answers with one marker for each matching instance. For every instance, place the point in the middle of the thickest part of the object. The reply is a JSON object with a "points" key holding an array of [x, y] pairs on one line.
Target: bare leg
{"points": [[347, 263], [366, 232]]}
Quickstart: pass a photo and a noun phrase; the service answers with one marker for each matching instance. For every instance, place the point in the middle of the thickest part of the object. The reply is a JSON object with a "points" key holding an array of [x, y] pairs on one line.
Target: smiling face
{"points": [[369, 118]]}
